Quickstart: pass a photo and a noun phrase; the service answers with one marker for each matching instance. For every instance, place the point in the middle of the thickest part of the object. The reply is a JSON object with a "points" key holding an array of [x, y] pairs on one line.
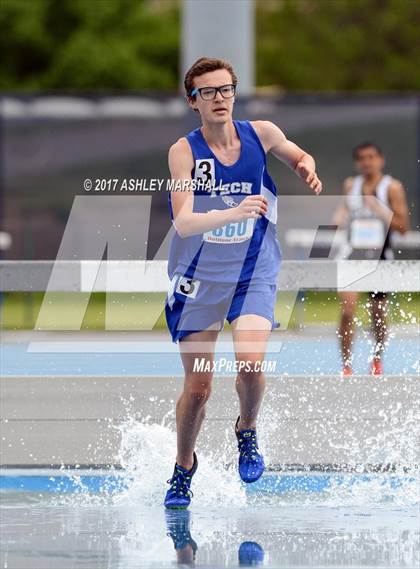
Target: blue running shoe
{"points": [[251, 461], [250, 553], [179, 493]]}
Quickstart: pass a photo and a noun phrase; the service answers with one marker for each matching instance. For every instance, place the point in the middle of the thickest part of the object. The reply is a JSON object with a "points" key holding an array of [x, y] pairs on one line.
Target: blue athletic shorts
{"points": [[193, 305]]}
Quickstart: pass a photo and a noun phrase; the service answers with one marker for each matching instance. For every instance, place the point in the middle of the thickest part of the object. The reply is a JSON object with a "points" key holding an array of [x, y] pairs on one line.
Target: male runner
{"points": [[224, 259], [369, 224]]}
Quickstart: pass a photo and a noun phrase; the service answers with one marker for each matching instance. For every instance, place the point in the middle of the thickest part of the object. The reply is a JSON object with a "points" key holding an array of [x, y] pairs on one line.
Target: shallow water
{"points": [[293, 519], [319, 520], [129, 535]]}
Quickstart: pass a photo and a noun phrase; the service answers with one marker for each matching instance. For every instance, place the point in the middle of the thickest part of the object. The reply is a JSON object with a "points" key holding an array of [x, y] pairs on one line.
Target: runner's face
{"points": [[369, 161], [218, 110]]}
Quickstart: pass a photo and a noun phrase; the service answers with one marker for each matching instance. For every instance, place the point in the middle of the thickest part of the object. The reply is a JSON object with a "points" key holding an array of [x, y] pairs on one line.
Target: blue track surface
{"points": [[296, 357], [271, 483]]}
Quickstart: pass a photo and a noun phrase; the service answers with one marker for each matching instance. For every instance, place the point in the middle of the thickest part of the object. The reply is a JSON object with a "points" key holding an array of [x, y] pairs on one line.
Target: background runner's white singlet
{"points": [[368, 236]]}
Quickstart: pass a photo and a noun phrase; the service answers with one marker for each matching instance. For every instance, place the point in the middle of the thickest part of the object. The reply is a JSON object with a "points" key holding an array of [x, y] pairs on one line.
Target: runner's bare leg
{"points": [[378, 314], [348, 302], [250, 336], [190, 408]]}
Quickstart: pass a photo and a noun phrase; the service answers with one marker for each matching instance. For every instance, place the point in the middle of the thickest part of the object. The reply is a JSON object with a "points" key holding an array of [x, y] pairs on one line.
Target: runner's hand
{"points": [[309, 176], [251, 207]]}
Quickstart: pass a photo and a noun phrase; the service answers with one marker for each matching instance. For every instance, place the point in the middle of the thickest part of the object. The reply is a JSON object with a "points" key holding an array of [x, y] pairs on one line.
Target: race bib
{"points": [[188, 287], [231, 233], [367, 234], [204, 171]]}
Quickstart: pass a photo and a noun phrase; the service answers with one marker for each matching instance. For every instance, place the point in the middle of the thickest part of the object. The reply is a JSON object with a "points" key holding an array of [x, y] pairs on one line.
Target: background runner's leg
{"points": [[379, 305], [348, 301]]}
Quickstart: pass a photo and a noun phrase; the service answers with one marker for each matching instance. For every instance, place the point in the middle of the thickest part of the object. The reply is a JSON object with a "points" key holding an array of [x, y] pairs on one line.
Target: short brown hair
{"points": [[205, 65]]}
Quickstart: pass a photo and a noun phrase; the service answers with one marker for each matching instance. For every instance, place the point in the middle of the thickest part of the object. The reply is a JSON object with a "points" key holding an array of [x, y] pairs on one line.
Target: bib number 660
{"points": [[231, 230]]}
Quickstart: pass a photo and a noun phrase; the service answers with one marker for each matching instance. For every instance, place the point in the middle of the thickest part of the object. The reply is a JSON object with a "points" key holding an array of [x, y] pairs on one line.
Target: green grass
{"points": [[145, 311]]}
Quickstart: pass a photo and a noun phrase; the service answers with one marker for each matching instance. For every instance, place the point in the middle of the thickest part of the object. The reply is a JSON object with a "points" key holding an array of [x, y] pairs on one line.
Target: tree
{"points": [[132, 45], [352, 45], [89, 44]]}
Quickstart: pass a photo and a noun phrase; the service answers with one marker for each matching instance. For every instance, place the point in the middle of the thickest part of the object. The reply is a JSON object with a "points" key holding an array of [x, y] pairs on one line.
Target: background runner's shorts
{"points": [[193, 305]]}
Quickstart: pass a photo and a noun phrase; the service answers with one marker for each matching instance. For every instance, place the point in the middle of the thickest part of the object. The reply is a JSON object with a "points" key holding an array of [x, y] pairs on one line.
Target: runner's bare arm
{"points": [[341, 214], [398, 202], [396, 215], [186, 221], [302, 163]]}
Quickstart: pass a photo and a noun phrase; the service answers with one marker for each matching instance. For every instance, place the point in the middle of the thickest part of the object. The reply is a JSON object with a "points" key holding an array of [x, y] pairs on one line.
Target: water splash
{"points": [[147, 455], [148, 448]]}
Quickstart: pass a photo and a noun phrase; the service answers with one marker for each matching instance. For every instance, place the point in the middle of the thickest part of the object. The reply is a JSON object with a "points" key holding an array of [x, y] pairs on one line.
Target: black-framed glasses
{"points": [[209, 93]]}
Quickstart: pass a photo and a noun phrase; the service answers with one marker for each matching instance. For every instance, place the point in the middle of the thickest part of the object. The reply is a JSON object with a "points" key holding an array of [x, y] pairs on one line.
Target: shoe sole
{"points": [[253, 480]]}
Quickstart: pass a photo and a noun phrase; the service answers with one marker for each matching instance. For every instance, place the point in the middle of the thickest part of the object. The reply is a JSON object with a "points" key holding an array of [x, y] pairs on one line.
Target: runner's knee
{"points": [[250, 369], [198, 387]]}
